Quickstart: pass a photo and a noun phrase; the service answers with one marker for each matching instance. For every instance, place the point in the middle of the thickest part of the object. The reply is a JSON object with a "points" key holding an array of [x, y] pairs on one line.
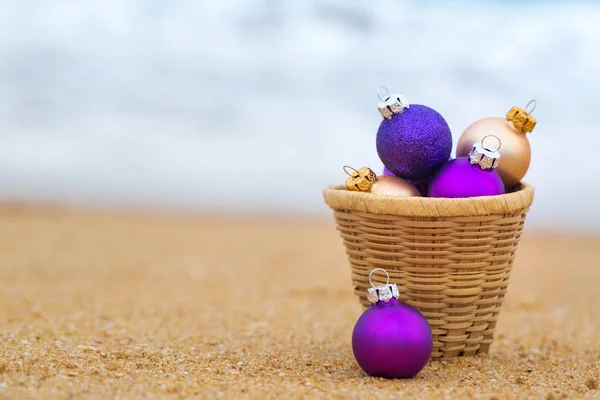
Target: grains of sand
{"points": [[102, 305]]}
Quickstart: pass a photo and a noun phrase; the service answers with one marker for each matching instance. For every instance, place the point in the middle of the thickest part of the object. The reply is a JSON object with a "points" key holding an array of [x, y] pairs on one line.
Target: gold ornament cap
{"points": [[523, 121], [361, 180], [483, 156], [391, 104]]}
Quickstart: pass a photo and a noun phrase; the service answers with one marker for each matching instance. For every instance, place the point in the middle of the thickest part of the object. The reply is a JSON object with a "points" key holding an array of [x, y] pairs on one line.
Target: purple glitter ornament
{"points": [[415, 143], [391, 339], [471, 176]]}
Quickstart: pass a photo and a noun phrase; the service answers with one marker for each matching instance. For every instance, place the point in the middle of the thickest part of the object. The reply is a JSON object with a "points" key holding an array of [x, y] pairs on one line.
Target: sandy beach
{"points": [[121, 305]]}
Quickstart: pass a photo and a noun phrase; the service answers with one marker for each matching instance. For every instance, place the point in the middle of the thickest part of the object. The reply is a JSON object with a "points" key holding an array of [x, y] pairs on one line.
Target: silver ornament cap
{"points": [[484, 156], [391, 104], [383, 293]]}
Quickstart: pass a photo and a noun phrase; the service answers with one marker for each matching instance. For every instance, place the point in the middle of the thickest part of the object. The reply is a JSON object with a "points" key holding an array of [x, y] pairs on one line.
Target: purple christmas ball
{"points": [[392, 340], [387, 172], [414, 144], [458, 178]]}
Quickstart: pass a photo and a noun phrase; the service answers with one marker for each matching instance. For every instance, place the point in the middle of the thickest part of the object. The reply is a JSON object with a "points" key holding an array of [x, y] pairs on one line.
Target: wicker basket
{"points": [[451, 258]]}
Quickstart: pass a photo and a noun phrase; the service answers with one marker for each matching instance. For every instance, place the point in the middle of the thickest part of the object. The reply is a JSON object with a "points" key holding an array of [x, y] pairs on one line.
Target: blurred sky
{"points": [[250, 105]]}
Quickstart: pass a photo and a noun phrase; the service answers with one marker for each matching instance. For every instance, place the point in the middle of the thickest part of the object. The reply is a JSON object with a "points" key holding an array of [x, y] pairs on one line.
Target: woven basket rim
{"points": [[338, 197]]}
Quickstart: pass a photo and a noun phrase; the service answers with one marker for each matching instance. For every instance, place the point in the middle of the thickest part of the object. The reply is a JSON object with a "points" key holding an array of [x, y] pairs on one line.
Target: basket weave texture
{"points": [[451, 258]]}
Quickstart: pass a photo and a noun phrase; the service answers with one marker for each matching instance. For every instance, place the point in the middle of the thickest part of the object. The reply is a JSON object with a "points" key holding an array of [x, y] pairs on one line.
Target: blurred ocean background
{"points": [[249, 106]]}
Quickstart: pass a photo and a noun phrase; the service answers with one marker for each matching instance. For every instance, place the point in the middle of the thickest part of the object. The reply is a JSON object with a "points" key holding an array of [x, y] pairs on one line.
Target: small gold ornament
{"points": [[365, 180], [361, 180], [516, 151]]}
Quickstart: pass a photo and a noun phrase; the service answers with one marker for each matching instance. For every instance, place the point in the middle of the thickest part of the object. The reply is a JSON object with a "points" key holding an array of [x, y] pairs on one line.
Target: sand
{"points": [[116, 305]]}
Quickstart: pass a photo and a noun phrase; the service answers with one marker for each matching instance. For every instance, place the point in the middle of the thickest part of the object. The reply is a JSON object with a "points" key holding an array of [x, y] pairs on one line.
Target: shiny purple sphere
{"points": [[392, 340], [414, 144], [458, 178]]}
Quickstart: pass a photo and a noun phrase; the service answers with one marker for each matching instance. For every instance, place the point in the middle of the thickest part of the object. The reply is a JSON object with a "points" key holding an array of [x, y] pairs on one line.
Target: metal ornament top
{"points": [[391, 104], [522, 120], [484, 157], [361, 180], [383, 293]]}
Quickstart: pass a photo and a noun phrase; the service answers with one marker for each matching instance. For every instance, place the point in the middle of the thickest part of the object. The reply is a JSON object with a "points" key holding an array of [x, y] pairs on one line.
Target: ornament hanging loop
{"points": [[379, 93], [387, 282], [392, 104], [384, 292], [532, 103], [522, 120], [491, 135], [349, 167], [361, 180], [484, 157]]}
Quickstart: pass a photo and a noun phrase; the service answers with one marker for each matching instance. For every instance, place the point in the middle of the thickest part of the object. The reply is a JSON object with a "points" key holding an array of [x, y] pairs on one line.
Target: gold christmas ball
{"points": [[515, 153], [365, 180], [394, 186]]}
